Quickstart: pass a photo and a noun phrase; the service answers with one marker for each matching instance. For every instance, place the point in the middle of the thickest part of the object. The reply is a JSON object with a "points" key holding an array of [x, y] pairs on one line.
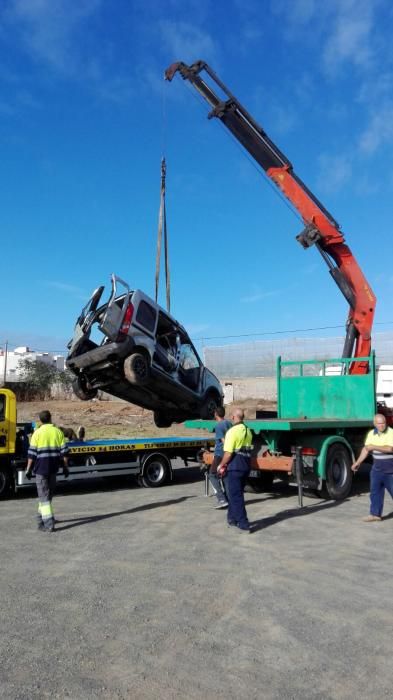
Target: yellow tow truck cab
{"points": [[7, 422], [14, 442]]}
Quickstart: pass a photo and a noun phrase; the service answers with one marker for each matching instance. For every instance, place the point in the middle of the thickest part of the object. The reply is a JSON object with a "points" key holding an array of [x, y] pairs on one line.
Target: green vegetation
{"points": [[39, 378]]}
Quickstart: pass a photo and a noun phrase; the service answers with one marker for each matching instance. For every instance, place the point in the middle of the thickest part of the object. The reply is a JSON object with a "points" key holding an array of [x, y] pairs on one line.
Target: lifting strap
{"points": [[162, 228]]}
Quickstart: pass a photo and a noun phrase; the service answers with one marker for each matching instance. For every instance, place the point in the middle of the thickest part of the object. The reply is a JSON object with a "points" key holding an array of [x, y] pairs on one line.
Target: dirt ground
{"points": [[145, 593], [104, 419]]}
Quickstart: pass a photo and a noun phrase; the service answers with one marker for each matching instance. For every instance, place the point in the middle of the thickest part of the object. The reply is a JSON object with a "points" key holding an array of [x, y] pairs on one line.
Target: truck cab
{"points": [[14, 441], [7, 423]]}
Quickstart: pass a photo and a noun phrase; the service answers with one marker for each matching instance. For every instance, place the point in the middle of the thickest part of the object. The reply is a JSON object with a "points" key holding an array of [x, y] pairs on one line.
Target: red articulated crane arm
{"points": [[320, 230]]}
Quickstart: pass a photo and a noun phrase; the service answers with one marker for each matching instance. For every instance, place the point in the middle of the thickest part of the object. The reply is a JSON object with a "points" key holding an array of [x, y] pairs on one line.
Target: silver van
{"points": [[131, 348]]}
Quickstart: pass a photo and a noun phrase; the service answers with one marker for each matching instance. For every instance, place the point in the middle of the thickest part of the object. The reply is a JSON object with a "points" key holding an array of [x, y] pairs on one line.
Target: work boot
{"points": [[372, 519]]}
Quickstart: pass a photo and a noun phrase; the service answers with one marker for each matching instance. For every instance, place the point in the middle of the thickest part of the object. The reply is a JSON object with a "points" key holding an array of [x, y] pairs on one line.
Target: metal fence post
{"points": [[207, 483], [299, 475]]}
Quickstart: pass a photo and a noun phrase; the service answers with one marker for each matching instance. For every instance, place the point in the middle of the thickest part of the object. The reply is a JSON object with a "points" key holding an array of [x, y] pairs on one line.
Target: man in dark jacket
{"points": [[220, 431]]}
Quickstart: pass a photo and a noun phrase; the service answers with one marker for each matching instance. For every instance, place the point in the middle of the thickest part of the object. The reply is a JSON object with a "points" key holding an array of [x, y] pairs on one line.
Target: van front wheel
{"points": [[81, 391]]}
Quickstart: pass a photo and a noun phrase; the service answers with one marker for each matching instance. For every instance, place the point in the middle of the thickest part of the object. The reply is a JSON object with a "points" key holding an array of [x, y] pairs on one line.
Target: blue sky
{"points": [[85, 117]]}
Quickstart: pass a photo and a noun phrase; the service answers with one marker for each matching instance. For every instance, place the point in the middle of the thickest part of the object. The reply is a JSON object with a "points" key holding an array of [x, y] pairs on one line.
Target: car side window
{"points": [[188, 359], [146, 316]]}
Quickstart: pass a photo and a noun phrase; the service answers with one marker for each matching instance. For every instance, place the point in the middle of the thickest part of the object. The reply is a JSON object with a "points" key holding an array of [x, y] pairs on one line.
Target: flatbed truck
{"points": [[320, 428], [148, 459]]}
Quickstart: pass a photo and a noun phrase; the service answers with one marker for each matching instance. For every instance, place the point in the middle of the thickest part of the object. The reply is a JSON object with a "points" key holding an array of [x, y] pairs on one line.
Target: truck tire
{"points": [[137, 369], [156, 471], [81, 391], [5, 482], [209, 406], [339, 475]]}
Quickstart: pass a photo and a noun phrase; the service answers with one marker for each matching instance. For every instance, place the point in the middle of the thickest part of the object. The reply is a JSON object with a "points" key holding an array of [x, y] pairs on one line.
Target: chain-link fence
{"points": [[258, 358]]}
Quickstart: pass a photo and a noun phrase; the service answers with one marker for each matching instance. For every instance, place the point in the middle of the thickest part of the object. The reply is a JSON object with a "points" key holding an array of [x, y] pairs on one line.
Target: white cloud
{"points": [[283, 119], [279, 118], [258, 295], [250, 32], [55, 34], [379, 130], [343, 30], [375, 88], [298, 12], [65, 288], [186, 42], [350, 38], [334, 173], [47, 28], [366, 185]]}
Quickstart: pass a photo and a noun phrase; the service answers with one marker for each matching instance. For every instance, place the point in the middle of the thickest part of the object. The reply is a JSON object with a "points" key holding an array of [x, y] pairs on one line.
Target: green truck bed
{"points": [[282, 425], [311, 397]]}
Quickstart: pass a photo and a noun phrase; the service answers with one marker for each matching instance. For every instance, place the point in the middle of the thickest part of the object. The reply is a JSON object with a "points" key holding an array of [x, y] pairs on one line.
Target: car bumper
{"points": [[102, 353]]}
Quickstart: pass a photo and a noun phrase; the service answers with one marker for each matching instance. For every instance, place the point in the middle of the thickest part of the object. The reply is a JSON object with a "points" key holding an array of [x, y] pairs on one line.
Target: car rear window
{"points": [[146, 316]]}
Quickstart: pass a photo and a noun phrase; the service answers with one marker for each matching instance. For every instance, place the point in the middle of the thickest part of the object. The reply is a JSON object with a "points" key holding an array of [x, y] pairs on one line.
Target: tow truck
{"points": [[321, 416], [148, 459]]}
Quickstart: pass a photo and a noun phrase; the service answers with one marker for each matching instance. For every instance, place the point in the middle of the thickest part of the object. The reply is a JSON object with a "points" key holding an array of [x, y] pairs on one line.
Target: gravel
{"points": [[145, 593]]}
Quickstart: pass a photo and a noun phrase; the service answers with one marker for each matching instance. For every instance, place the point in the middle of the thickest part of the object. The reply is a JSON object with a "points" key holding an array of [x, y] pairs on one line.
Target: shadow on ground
{"points": [[182, 475], [86, 520], [293, 513]]}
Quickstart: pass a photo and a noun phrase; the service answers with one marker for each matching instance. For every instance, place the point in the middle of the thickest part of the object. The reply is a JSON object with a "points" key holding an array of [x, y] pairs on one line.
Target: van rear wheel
{"points": [[137, 369]]}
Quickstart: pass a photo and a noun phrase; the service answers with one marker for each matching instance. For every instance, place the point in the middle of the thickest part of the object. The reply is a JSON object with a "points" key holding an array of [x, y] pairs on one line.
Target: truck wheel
{"points": [[5, 482], [155, 472], [81, 391], [338, 482], [137, 369], [209, 406], [162, 420]]}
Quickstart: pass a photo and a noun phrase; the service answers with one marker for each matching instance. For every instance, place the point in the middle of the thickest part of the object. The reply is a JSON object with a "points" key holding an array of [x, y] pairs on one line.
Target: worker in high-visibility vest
{"points": [[235, 467], [47, 453]]}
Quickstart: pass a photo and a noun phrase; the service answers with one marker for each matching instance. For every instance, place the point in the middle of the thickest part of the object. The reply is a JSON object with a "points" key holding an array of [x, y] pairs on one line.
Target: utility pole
{"points": [[5, 363]]}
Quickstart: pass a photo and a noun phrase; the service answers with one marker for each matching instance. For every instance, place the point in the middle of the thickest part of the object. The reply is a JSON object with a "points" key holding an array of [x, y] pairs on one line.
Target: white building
{"points": [[10, 370]]}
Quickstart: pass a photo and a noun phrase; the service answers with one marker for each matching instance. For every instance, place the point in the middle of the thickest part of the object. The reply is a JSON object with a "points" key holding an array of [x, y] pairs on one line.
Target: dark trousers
{"points": [[378, 483], [235, 482], [45, 490]]}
